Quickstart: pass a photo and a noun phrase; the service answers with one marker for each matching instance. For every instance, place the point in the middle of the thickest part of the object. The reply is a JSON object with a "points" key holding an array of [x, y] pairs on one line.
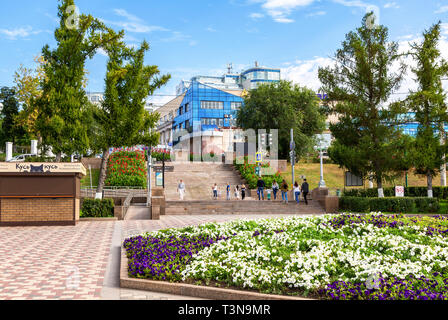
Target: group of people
{"points": [[284, 188], [237, 192], [240, 193]]}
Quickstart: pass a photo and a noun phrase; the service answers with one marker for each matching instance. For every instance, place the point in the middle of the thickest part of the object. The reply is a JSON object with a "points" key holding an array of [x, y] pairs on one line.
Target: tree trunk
{"points": [[102, 179], [59, 157], [379, 183], [443, 173], [429, 177]]}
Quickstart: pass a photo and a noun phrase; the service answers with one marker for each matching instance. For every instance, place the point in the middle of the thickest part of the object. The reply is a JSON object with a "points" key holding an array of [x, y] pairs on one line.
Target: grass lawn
{"points": [[334, 177], [85, 182]]}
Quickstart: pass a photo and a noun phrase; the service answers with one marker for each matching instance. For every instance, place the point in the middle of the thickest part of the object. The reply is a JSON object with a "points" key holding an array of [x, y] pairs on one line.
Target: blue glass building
{"points": [[209, 105]]}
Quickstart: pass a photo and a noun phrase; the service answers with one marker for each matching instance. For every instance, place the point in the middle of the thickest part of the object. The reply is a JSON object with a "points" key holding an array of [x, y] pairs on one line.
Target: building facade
{"points": [[207, 106]]}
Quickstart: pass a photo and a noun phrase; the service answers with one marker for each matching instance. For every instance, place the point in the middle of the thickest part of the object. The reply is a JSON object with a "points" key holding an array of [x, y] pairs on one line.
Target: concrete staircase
{"points": [[246, 207], [199, 179]]}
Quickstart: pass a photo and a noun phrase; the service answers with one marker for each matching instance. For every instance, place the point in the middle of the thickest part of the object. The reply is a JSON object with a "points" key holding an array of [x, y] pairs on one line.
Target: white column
{"points": [[34, 147], [8, 151]]}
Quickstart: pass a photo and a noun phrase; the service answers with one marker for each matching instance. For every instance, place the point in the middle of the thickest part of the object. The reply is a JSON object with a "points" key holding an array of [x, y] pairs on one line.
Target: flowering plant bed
{"points": [[343, 257], [247, 171], [126, 169]]}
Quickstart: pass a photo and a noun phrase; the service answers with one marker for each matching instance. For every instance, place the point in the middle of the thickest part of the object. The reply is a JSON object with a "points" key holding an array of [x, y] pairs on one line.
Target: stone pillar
{"points": [[34, 147], [8, 151]]}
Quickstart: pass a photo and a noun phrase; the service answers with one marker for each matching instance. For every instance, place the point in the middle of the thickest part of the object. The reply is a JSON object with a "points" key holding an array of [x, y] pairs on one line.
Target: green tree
{"points": [[10, 132], [63, 100], [284, 106], [122, 119], [428, 103], [359, 85]]}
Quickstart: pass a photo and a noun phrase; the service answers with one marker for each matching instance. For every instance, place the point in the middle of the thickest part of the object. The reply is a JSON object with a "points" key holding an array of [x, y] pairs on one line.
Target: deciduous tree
{"points": [[122, 119], [284, 106]]}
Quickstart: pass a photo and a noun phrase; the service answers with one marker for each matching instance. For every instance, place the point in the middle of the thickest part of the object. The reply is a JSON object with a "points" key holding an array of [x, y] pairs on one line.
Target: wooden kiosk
{"points": [[40, 194]]}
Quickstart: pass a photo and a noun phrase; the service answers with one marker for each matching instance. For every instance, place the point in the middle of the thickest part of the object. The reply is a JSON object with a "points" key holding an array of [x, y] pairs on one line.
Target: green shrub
{"points": [[355, 204], [393, 205], [411, 192], [431, 205], [396, 205], [95, 208]]}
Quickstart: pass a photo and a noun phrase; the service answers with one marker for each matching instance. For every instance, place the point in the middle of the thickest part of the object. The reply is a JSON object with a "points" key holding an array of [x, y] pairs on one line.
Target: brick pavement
{"points": [[71, 263]]}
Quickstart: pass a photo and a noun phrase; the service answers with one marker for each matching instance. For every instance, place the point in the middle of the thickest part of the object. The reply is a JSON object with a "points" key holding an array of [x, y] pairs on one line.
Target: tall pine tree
{"points": [[359, 86], [63, 100], [429, 105]]}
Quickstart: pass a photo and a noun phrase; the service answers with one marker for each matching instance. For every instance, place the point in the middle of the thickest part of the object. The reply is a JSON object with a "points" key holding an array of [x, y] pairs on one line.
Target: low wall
{"points": [[329, 203]]}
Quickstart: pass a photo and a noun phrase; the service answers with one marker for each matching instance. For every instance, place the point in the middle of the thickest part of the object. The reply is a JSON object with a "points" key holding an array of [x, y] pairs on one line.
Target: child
{"points": [[269, 194]]}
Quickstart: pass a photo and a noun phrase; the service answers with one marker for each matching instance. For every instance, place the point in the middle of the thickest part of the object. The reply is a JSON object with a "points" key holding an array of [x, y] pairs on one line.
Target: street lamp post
{"points": [[322, 181]]}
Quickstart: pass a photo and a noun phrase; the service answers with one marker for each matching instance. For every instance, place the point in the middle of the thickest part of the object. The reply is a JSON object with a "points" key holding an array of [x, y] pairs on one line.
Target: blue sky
{"points": [[195, 37]]}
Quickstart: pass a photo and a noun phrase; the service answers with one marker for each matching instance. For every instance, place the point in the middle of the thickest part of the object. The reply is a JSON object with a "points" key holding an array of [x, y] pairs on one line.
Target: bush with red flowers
{"points": [[126, 169]]}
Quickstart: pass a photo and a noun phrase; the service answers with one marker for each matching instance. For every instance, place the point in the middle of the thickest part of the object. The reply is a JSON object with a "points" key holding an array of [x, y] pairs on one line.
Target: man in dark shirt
{"points": [[261, 185], [305, 190]]}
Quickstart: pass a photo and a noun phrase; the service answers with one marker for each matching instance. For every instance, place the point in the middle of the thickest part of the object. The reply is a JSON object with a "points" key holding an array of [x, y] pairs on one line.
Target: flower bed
{"points": [[247, 171], [126, 169], [161, 154], [326, 257]]}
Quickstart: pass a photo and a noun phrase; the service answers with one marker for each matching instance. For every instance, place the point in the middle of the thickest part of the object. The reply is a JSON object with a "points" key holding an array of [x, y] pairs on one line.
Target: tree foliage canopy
{"points": [[63, 100], [359, 86], [284, 106]]}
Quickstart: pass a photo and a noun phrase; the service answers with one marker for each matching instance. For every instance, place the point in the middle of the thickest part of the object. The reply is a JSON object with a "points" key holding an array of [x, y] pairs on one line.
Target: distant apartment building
{"points": [[98, 97], [207, 106]]}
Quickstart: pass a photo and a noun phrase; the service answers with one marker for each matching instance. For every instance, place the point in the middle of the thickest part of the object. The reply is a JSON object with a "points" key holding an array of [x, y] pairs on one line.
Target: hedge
{"points": [[96, 208], [394, 205], [412, 192]]}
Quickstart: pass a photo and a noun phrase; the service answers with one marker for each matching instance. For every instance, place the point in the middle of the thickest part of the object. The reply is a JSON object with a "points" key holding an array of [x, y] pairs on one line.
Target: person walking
{"points": [[228, 191], [215, 192], [305, 190], [237, 192], [181, 190], [297, 192], [243, 192], [275, 188], [261, 185], [284, 189]]}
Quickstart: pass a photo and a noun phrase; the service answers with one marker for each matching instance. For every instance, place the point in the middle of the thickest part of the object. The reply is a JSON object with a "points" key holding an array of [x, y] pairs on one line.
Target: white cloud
{"points": [[318, 13], [391, 5], [353, 3], [256, 15], [210, 29], [442, 9], [134, 23], [280, 10], [304, 72], [20, 32]]}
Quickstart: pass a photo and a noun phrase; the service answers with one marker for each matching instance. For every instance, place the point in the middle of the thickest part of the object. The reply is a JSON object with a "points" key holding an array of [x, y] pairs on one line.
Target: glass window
{"points": [[236, 105], [217, 105], [187, 107]]}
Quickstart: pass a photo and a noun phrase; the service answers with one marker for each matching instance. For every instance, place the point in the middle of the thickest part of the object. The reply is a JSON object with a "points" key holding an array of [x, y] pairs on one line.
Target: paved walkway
{"points": [[79, 262]]}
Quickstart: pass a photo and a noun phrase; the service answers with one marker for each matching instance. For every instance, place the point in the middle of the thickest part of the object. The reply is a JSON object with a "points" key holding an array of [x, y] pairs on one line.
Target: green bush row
{"points": [[412, 192], [95, 208], [394, 205]]}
